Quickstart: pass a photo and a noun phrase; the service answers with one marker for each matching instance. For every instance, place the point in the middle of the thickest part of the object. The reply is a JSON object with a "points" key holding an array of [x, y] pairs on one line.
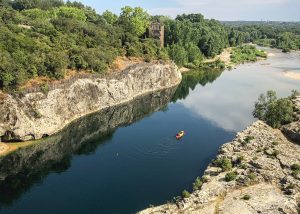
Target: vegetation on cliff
{"points": [[275, 112], [44, 38]]}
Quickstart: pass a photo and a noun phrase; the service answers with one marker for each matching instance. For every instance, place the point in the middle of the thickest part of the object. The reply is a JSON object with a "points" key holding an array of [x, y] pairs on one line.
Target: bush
{"points": [[223, 163], [246, 53], [197, 184], [275, 112], [251, 176], [239, 160], [247, 140], [230, 176], [295, 167], [45, 88], [185, 194], [246, 197], [275, 153]]}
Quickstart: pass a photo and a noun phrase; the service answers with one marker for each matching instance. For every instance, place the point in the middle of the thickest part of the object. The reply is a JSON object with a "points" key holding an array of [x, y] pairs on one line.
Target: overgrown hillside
{"points": [[44, 38]]}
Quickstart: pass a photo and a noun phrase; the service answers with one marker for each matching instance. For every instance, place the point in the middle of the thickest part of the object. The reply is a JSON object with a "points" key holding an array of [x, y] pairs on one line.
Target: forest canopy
{"points": [[44, 38]]}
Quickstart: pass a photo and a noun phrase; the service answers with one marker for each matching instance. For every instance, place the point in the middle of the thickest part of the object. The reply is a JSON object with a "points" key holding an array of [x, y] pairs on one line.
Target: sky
{"points": [[223, 10]]}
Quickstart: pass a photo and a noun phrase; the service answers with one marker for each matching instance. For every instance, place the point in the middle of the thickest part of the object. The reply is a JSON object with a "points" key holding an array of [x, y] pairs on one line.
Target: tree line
{"points": [[46, 37], [282, 35]]}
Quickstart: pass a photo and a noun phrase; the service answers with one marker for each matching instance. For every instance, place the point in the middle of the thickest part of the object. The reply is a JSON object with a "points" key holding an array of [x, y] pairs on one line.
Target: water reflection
{"points": [[26, 167], [228, 102], [191, 79]]}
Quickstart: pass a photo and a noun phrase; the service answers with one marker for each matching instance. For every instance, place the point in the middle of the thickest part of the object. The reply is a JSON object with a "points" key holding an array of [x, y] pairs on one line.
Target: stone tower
{"points": [[157, 31]]}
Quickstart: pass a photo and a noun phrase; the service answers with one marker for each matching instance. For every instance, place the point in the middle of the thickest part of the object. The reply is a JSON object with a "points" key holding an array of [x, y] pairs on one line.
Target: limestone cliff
{"points": [[37, 114], [25, 167], [265, 175]]}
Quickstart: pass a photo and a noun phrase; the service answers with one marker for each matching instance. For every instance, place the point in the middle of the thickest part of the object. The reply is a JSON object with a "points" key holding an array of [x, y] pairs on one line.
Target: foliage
{"points": [[285, 36], [134, 20], [245, 53], [239, 160], [230, 176], [251, 176], [197, 184], [272, 110], [295, 167], [246, 197], [110, 17], [185, 194], [45, 37], [224, 163]]}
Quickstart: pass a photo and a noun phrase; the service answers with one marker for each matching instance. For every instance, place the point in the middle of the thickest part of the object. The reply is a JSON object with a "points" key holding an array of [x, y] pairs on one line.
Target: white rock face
{"points": [[34, 115]]}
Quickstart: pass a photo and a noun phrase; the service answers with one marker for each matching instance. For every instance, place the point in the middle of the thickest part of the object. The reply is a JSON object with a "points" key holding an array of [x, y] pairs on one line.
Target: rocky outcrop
{"points": [[265, 175], [25, 167], [34, 115], [266, 165]]}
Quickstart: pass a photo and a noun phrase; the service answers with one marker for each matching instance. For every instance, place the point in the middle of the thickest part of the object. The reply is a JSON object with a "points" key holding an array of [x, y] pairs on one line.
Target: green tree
{"points": [[134, 20], [178, 54], [273, 111], [70, 12], [110, 17]]}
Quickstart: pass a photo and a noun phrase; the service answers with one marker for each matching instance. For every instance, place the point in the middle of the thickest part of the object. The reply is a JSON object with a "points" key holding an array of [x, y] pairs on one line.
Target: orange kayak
{"points": [[180, 135]]}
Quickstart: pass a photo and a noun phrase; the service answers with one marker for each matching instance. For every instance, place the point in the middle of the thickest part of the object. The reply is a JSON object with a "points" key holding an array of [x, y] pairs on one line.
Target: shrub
{"points": [[290, 186], [246, 197], [239, 160], [295, 167], [230, 176], [248, 139], [259, 150], [185, 194], [275, 112], [37, 114], [275, 153], [197, 184], [251, 176], [295, 173], [223, 163], [274, 143], [45, 88]]}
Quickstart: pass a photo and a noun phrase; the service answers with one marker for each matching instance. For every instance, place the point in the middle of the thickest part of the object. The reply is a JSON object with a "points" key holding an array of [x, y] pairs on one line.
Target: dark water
{"points": [[125, 158]]}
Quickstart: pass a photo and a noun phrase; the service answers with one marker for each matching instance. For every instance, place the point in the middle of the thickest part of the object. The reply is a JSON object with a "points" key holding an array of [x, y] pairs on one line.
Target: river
{"points": [[124, 159]]}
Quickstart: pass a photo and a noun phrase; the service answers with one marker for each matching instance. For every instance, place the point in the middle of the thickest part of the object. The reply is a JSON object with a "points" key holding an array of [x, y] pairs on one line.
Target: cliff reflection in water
{"points": [[25, 167], [192, 78]]}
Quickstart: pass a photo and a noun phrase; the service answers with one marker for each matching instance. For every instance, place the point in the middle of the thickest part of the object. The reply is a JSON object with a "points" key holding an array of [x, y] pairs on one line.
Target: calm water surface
{"points": [[122, 160]]}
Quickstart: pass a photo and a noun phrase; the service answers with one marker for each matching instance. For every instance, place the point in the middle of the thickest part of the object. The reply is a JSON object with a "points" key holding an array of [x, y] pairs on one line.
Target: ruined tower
{"points": [[157, 31]]}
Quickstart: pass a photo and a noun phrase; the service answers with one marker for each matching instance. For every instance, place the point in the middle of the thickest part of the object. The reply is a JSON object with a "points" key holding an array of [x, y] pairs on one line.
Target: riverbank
{"points": [[258, 172], [231, 57], [39, 113]]}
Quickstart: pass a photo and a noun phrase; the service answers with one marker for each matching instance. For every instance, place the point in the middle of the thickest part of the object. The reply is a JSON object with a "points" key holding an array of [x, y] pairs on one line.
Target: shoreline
{"points": [[7, 148], [36, 115], [261, 174], [258, 174], [225, 57]]}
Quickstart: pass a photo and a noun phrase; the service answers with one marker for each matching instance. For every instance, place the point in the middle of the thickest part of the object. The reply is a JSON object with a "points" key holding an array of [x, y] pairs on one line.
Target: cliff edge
{"points": [[262, 175], [37, 114]]}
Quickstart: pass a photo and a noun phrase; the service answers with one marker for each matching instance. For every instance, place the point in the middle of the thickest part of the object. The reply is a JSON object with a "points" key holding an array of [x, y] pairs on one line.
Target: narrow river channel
{"points": [[123, 159]]}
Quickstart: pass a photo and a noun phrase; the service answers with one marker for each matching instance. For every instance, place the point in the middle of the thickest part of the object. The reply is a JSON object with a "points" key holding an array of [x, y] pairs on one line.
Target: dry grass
{"points": [[8, 148], [42, 80], [123, 62]]}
